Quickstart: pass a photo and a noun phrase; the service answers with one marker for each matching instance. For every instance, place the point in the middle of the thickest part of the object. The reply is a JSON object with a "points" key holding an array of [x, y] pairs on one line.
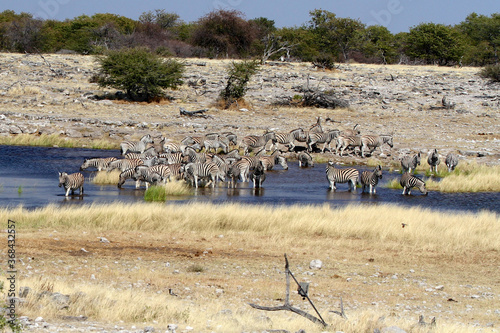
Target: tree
{"points": [[24, 34], [163, 19], [380, 43], [239, 73], [435, 43], [483, 34], [224, 33], [142, 74]]}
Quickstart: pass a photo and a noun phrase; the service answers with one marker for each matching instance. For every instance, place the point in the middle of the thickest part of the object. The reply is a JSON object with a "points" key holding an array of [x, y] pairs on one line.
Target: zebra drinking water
{"points": [[136, 146], [71, 182], [347, 175], [433, 160], [305, 160], [409, 181], [98, 163], [451, 161], [372, 142], [370, 179], [195, 171], [409, 163]]}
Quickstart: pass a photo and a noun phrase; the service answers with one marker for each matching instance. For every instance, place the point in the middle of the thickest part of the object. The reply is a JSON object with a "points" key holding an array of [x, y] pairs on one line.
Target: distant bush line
{"points": [[228, 34]]}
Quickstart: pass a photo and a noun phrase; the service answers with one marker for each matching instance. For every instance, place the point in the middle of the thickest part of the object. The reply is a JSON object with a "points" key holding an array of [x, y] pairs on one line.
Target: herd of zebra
{"points": [[205, 160]]}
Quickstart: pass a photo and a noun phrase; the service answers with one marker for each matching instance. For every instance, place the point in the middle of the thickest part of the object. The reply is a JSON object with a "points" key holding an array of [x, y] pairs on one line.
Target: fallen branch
{"points": [[197, 113]]}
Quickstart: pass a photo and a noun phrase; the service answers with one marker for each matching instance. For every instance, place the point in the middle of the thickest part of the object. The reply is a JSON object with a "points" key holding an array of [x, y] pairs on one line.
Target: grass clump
{"points": [[55, 140], [162, 192], [106, 178], [468, 177]]}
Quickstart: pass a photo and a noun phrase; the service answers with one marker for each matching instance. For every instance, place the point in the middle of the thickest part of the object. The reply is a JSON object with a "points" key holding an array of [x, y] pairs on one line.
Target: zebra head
{"points": [[378, 172], [62, 178], [389, 140], [147, 139]]}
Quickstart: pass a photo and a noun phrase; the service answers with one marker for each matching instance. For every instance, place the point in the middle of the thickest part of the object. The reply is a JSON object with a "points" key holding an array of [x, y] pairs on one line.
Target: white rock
{"points": [[315, 264]]}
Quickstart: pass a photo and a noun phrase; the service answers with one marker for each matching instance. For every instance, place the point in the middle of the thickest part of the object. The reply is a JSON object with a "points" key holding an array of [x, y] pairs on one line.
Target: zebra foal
{"points": [[409, 181], [347, 175], [370, 179], [451, 161], [71, 182]]}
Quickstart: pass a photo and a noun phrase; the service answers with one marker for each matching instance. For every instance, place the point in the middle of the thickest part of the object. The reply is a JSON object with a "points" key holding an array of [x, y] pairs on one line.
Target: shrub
{"points": [[142, 74], [491, 72], [239, 73]]}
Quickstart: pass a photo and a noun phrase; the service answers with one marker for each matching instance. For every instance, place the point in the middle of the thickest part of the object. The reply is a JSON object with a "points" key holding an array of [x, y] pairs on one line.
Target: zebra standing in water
{"points": [[288, 139], [98, 163], [451, 161], [410, 162], [325, 138], [71, 182], [433, 160], [194, 171], [136, 146], [409, 181], [255, 141], [373, 142], [305, 160], [124, 164], [370, 179], [258, 176], [269, 161], [127, 174], [347, 175]]}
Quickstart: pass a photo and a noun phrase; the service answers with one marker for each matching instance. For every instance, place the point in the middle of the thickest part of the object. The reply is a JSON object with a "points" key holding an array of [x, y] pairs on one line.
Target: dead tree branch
{"points": [[198, 113]]}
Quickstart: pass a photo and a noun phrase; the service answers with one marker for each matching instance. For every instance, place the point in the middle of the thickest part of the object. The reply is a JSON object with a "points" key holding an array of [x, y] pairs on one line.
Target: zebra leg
{"points": [[373, 189], [353, 183]]}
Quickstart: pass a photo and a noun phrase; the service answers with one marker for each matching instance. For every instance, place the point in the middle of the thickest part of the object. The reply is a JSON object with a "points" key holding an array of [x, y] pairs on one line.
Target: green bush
{"points": [[142, 74], [239, 73], [491, 72]]}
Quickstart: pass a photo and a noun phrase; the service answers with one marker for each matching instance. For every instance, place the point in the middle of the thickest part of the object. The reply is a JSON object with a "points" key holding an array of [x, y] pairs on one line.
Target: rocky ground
{"points": [[52, 94]]}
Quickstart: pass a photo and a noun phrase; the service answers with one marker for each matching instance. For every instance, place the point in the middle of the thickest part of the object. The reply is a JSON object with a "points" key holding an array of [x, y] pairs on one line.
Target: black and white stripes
{"points": [[346, 175], [71, 182]]}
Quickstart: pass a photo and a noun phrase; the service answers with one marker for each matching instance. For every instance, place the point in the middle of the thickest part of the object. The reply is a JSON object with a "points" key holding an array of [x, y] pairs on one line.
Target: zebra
{"points": [[255, 141], [222, 165], [305, 160], [176, 170], [215, 144], [127, 174], [71, 182], [258, 176], [451, 161], [192, 156], [370, 179], [315, 128], [433, 160], [231, 157], [408, 181], [289, 138], [136, 146], [344, 142], [324, 138], [124, 164], [371, 142], [232, 138], [173, 158], [269, 161], [347, 175], [149, 152], [194, 171], [410, 162], [147, 175], [241, 169], [98, 163]]}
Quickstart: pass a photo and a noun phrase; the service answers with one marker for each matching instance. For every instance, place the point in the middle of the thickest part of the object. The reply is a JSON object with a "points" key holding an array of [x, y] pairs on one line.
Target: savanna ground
{"points": [[199, 266]]}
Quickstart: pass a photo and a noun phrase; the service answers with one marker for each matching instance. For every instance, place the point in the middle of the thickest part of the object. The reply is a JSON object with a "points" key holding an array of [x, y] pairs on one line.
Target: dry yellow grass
{"points": [[106, 178], [239, 250]]}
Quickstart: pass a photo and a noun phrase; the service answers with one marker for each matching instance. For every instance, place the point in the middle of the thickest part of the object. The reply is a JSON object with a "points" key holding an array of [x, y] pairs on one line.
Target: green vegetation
{"points": [[239, 73], [228, 34], [162, 192], [491, 72], [142, 74]]}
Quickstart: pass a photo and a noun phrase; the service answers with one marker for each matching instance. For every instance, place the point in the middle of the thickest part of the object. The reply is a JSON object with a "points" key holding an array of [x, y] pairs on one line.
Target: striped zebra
{"points": [[451, 161], [232, 138], [136, 146], [315, 128], [269, 161], [255, 141], [409, 163], [241, 169], [370, 179], [215, 144], [344, 142], [258, 175], [124, 164], [127, 174], [71, 182], [433, 160], [347, 175], [372, 142], [223, 167], [149, 152], [289, 138], [409, 181], [173, 158], [305, 160], [325, 138], [177, 170], [195, 171], [192, 156], [98, 163], [147, 175], [232, 156]]}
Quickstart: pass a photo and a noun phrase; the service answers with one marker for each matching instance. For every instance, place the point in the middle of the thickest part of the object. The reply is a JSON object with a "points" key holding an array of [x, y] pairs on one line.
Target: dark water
{"points": [[29, 177]]}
